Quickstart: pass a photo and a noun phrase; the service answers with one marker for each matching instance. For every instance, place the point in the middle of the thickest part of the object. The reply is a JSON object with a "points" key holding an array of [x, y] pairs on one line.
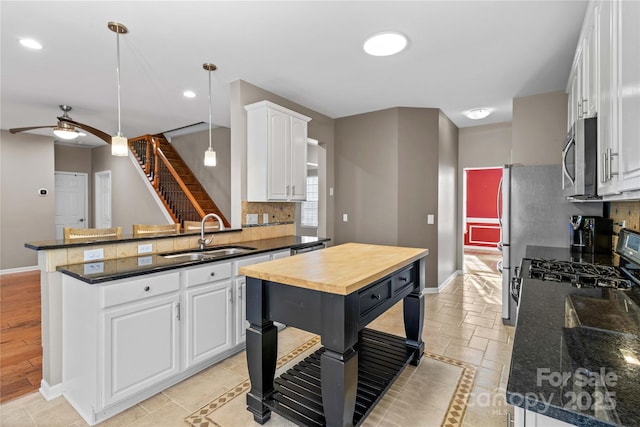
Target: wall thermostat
{"points": [[43, 192]]}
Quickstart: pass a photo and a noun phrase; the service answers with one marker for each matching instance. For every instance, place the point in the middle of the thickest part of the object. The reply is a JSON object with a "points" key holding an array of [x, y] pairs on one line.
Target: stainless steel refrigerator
{"points": [[532, 211]]}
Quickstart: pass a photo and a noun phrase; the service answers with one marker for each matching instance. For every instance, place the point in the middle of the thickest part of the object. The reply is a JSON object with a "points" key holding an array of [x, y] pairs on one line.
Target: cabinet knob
{"points": [[213, 273], [147, 288]]}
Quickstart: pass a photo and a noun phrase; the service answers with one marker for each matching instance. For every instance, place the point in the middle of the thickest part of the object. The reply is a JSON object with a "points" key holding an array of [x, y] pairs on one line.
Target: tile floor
{"points": [[462, 322]]}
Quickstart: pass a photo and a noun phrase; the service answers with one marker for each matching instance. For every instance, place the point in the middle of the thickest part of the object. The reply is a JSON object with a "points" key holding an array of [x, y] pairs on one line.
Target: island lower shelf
{"points": [[381, 359]]}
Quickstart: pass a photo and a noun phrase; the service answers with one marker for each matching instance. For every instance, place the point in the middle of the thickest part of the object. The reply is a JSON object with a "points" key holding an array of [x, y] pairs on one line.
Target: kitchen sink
{"points": [[209, 253]]}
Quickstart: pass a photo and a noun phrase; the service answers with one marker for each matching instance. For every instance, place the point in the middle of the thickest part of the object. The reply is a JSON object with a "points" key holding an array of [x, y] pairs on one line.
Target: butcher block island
{"points": [[335, 293]]}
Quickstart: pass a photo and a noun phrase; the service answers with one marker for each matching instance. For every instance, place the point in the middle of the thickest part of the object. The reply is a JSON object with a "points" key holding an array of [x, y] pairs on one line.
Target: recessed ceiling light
{"points": [[478, 113], [189, 94], [385, 44], [31, 44]]}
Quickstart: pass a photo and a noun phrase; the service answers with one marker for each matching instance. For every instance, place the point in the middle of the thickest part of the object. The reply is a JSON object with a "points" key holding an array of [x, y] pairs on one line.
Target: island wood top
{"points": [[341, 269]]}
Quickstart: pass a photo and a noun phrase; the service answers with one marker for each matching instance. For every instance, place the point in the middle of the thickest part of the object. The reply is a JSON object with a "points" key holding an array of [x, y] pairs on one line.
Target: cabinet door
{"points": [[278, 156], [590, 67], [298, 172], [208, 321], [241, 310], [141, 346], [629, 95], [607, 104]]}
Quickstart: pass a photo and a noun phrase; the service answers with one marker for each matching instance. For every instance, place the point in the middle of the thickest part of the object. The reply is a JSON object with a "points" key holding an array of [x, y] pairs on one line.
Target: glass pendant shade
{"points": [[65, 133], [209, 157], [119, 146]]}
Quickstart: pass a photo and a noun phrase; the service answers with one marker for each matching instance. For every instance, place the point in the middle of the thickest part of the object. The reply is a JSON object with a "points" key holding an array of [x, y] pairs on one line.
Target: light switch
{"points": [[252, 219], [345, 217], [430, 219], [331, 191]]}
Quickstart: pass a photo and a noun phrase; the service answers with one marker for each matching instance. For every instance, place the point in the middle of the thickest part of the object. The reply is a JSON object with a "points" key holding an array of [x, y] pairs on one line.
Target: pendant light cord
{"points": [[118, 74], [210, 115]]}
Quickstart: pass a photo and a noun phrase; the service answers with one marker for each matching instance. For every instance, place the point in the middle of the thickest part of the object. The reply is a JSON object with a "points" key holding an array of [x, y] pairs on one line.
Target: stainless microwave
{"points": [[579, 160]]}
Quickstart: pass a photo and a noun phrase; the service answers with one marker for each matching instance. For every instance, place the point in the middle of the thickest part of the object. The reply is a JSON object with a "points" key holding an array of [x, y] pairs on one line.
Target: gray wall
{"points": [[131, 201], [393, 168], [539, 128], [366, 173], [26, 165], [215, 180], [320, 128], [447, 200]]}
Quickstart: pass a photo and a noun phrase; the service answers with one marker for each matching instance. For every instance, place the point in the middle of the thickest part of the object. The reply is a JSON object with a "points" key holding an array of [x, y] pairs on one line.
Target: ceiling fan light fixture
{"points": [[385, 44], [478, 113], [210, 155], [65, 133]]}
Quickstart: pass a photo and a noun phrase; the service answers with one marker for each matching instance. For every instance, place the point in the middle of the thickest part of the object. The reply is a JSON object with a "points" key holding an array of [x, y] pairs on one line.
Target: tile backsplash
{"points": [[277, 212]]}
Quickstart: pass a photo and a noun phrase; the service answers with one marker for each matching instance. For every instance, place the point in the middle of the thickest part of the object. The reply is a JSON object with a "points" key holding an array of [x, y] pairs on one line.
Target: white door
{"points": [[71, 201], [102, 195]]}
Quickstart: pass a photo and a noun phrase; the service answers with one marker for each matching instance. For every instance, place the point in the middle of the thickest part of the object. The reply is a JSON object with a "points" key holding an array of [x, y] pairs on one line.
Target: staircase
{"points": [[183, 196]]}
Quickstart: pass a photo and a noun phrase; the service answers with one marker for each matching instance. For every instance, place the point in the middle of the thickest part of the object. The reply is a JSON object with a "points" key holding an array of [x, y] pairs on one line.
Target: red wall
{"points": [[482, 228]]}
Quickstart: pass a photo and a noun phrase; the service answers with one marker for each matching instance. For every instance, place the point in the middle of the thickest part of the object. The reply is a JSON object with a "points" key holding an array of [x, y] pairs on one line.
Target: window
{"points": [[310, 207]]}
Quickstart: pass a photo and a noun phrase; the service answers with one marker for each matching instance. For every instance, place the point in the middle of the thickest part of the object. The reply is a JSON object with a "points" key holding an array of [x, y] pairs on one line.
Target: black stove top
{"points": [[579, 274]]}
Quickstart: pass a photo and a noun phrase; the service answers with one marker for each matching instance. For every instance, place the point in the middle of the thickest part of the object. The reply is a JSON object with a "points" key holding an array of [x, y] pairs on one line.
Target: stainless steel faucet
{"points": [[202, 240]]}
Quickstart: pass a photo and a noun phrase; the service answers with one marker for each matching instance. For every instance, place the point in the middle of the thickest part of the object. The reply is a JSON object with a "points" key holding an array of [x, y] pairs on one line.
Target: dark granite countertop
{"points": [[108, 270], [573, 349]]}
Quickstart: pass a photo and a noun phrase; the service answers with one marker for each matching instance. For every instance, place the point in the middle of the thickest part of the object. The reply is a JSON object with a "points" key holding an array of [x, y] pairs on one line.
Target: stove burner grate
{"points": [[579, 274]]}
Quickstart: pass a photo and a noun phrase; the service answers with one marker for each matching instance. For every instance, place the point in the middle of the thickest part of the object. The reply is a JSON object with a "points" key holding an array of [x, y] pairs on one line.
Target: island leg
{"points": [[413, 309], [262, 351], [339, 375]]}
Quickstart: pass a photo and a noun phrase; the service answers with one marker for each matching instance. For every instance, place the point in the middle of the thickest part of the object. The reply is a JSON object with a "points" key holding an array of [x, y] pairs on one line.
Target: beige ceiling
{"points": [[461, 55]]}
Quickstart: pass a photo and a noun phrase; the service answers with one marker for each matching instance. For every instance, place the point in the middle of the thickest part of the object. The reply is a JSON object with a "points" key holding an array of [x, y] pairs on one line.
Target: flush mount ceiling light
{"points": [[31, 44], [209, 155], [385, 43], [119, 144], [189, 94], [478, 113]]}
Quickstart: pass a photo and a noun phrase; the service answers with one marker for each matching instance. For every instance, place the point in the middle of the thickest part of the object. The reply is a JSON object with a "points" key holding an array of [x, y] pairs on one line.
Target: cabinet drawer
{"points": [[403, 279], [248, 261], [138, 289], [375, 295], [208, 273]]}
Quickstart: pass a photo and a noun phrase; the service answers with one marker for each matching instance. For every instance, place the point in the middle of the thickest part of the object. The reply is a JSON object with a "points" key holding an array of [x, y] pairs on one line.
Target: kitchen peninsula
{"points": [[335, 293], [102, 263]]}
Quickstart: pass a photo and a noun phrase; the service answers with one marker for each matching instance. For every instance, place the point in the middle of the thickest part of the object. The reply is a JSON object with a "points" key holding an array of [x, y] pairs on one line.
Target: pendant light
{"points": [[209, 155], [119, 143]]}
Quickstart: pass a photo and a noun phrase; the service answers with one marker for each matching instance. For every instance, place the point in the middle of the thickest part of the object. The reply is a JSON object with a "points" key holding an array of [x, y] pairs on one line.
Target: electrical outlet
{"points": [[252, 219], [145, 249], [345, 217], [265, 218], [94, 267], [145, 260], [92, 254]]}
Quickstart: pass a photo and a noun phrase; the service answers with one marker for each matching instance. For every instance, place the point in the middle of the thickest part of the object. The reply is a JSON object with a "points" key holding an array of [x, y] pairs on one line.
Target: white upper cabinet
{"points": [[605, 82], [276, 153]]}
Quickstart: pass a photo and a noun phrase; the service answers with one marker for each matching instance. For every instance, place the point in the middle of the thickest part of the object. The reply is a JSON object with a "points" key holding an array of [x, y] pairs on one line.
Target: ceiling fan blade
{"points": [[16, 130], [102, 135]]}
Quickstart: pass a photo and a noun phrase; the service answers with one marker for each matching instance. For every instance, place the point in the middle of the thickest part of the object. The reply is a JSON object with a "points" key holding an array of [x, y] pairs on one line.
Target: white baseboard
{"points": [[50, 392], [444, 284], [18, 269]]}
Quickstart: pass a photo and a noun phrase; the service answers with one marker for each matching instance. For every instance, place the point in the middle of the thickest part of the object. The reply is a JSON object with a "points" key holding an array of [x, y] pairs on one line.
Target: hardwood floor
{"points": [[20, 335]]}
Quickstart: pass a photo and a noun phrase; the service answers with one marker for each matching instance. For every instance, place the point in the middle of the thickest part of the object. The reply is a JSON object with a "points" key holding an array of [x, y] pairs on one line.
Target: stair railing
{"points": [[176, 196]]}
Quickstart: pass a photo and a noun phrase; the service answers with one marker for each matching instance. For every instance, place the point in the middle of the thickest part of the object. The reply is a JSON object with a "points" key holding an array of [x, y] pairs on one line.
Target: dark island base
{"points": [[381, 359]]}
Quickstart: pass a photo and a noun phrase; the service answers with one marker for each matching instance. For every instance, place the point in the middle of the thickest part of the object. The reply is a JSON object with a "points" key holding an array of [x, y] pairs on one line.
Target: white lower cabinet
{"points": [[525, 418], [126, 340], [141, 346]]}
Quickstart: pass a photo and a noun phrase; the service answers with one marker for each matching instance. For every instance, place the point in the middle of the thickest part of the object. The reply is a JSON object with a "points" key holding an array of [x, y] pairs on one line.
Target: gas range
{"points": [[579, 274]]}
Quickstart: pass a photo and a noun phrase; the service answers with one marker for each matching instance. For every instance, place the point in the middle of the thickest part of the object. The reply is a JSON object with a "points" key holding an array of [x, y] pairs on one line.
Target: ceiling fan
{"points": [[66, 127]]}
